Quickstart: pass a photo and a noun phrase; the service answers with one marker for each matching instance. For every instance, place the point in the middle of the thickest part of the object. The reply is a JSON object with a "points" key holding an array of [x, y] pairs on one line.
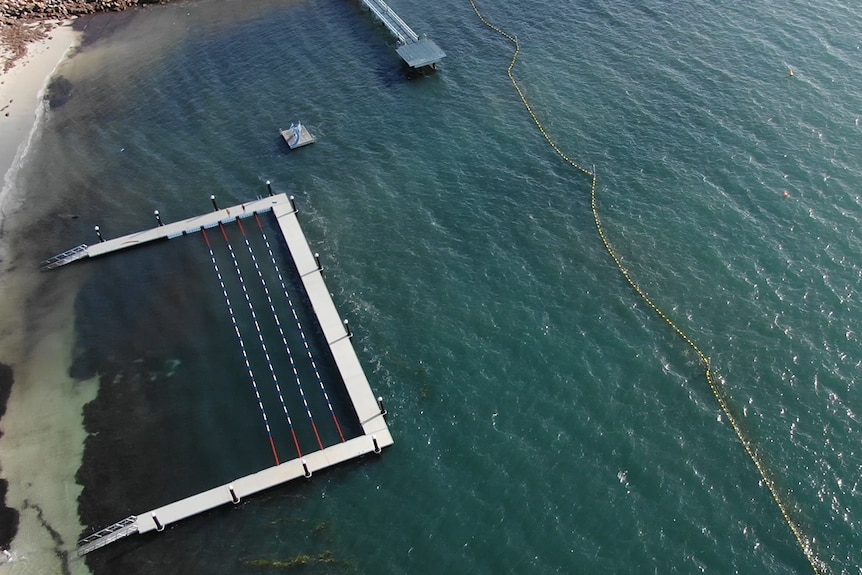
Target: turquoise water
{"points": [[545, 420]]}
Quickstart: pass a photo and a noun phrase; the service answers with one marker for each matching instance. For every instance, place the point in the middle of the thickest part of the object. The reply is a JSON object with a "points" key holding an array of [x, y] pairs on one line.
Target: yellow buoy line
{"points": [[805, 542]]}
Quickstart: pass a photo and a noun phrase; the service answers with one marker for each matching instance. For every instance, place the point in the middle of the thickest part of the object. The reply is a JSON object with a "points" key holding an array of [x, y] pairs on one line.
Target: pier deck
{"points": [[186, 227], [235, 491], [375, 432], [415, 51]]}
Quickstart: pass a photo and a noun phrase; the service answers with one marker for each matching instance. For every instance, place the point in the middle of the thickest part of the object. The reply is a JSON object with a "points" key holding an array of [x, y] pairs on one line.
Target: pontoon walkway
{"points": [[369, 410]]}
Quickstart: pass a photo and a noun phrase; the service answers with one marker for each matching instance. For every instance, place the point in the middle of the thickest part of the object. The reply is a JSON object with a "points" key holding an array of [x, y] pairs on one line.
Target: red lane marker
{"points": [[206, 238], [274, 452], [242, 229], [314, 425], [296, 442], [335, 419], [223, 232], [260, 225]]}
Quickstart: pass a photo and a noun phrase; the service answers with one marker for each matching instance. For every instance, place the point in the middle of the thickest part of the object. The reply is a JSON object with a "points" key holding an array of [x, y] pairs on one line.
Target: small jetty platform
{"points": [[368, 410], [418, 53], [297, 136]]}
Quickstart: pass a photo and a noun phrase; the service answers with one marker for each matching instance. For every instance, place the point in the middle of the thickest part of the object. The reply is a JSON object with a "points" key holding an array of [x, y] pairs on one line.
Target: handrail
{"points": [[108, 535], [66, 257]]}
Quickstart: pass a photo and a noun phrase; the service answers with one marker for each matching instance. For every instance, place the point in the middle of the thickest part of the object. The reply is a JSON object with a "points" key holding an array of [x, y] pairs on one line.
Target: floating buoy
{"points": [[786, 195]]}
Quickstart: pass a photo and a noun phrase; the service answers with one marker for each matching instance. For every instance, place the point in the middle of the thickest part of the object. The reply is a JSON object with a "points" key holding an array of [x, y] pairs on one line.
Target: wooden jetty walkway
{"points": [[415, 51], [368, 409]]}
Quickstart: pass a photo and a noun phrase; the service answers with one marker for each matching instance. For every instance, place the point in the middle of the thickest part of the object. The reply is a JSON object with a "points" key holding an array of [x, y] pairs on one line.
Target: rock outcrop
{"points": [[12, 11], [25, 21]]}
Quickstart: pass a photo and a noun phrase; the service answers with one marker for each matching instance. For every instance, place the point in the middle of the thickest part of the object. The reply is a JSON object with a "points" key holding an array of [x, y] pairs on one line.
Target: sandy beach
{"points": [[21, 91], [43, 434]]}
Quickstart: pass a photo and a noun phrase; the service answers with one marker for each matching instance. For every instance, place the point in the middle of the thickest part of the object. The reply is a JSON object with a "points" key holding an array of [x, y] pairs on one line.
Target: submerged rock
{"points": [[8, 516]]}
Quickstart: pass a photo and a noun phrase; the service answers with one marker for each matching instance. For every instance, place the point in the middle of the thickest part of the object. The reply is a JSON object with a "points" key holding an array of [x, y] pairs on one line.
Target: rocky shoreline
{"points": [[12, 11], [26, 21]]}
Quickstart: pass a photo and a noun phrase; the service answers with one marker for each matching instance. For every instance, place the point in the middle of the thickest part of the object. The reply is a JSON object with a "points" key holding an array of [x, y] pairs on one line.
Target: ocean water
{"points": [[545, 420]]}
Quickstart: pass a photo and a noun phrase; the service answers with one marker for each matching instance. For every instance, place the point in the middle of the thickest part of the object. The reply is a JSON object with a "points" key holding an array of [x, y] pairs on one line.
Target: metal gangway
{"points": [[99, 539], [69, 256], [397, 27], [415, 51]]}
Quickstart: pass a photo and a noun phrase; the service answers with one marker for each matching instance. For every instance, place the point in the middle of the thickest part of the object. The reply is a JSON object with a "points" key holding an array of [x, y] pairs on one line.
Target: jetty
{"points": [[368, 411], [418, 53]]}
